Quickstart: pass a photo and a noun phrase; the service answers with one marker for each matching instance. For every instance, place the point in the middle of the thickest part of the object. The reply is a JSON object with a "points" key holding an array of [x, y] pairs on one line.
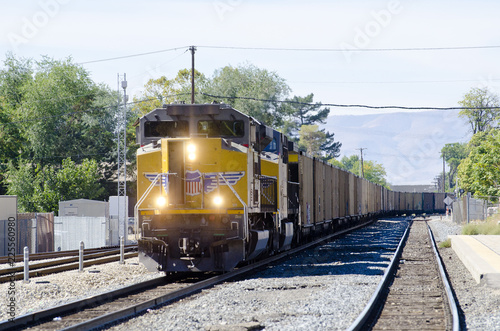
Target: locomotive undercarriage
{"points": [[187, 242], [190, 242]]}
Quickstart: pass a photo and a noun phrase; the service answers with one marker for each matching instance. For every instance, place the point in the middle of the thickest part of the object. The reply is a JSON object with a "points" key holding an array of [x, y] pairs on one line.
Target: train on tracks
{"points": [[217, 188]]}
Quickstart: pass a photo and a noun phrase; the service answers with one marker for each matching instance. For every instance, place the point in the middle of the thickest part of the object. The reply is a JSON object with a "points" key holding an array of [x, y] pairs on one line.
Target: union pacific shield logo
{"points": [[193, 182]]}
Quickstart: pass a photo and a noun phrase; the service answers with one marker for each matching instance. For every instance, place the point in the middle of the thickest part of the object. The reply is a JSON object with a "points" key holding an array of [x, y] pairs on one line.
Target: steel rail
{"points": [[364, 317], [61, 261], [52, 255], [444, 278], [171, 297], [360, 322], [195, 288], [30, 319], [65, 267]]}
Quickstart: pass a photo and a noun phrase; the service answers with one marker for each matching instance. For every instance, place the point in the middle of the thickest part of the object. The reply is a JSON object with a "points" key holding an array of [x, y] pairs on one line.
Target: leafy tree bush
{"points": [[52, 111], [479, 173]]}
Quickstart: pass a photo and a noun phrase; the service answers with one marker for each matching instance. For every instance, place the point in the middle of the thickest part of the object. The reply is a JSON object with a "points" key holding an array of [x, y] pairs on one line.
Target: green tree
{"points": [[16, 72], [318, 143], [22, 182], [479, 173], [65, 113], [347, 163], [159, 91], [478, 112], [330, 147], [302, 111], [253, 91], [53, 112], [311, 139], [454, 153], [240, 86], [13, 75], [41, 189], [373, 171]]}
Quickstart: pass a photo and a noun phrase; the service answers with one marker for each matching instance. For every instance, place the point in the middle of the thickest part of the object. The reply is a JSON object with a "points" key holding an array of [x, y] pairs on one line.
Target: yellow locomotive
{"points": [[216, 187], [211, 185]]}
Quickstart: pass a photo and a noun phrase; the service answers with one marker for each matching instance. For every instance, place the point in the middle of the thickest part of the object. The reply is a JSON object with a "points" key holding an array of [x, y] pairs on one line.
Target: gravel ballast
{"points": [[479, 306], [322, 289], [56, 289]]}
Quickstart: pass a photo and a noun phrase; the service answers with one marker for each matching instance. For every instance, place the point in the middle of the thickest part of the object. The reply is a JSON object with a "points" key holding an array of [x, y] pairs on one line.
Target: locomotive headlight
{"points": [[191, 152], [217, 200], [161, 201]]}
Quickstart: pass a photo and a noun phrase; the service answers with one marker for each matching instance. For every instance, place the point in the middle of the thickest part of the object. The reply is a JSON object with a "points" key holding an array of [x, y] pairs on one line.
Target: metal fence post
{"points": [[26, 264], [80, 257], [122, 250]]}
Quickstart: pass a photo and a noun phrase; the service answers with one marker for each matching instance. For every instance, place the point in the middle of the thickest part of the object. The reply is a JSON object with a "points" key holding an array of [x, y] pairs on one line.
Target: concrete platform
{"points": [[481, 256]]}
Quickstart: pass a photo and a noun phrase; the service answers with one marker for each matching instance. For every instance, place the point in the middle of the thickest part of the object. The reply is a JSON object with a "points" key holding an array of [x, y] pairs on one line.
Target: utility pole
{"points": [[362, 168], [192, 49], [444, 176]]}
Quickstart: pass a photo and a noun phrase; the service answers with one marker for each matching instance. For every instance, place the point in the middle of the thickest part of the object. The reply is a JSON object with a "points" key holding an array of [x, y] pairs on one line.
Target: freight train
{"points": [[217, 188]]}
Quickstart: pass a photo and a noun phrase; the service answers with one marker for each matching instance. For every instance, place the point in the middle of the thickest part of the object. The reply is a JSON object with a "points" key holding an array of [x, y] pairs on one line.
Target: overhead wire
{"points": [[344, 105], [399, 82], [352, 50], [132, 55], [87, 110], [298, 49], [252, 99]]}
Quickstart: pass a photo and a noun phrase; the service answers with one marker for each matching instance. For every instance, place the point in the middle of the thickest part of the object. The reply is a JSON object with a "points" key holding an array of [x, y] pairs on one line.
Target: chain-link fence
{"points": [[466, 209]]}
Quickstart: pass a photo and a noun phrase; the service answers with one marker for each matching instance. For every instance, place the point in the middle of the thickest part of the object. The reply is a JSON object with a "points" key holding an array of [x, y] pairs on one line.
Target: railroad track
{"points": [[415, 293], [91, 257], [130, 301], [55, 255]]}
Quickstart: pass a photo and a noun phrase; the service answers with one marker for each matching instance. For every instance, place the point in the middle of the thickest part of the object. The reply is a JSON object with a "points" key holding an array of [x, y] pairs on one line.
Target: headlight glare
{"points": [[218, 200], [191, 152], [161, 201]]}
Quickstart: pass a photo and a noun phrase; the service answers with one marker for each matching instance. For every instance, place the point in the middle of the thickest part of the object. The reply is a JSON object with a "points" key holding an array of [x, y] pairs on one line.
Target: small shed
{"points": [[84, 208]]}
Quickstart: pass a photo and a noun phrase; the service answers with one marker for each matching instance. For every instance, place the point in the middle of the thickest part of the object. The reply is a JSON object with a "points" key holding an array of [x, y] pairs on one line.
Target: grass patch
{"points": [[490, 227], [445, 244]]}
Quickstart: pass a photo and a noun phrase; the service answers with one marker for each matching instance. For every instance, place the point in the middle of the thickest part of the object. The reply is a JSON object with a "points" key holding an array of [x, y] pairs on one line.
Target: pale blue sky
{"points": [[94, 30]]}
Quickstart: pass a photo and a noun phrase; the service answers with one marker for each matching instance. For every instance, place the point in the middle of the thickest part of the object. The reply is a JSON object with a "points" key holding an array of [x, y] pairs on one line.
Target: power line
{"points": [[79, 155], [96, 109], [399, 82], [354, 49], [346, 105], [133, 55], [247, 98], [297, 49]]}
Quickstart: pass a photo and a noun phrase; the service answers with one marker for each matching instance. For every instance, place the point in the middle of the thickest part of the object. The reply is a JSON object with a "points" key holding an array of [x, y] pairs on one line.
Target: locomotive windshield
{"points": [[171, 129], [218, 128]]}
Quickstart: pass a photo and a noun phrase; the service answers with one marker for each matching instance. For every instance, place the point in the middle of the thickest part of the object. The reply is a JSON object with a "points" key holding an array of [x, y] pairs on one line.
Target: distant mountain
{"points": [[407, 144]]}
